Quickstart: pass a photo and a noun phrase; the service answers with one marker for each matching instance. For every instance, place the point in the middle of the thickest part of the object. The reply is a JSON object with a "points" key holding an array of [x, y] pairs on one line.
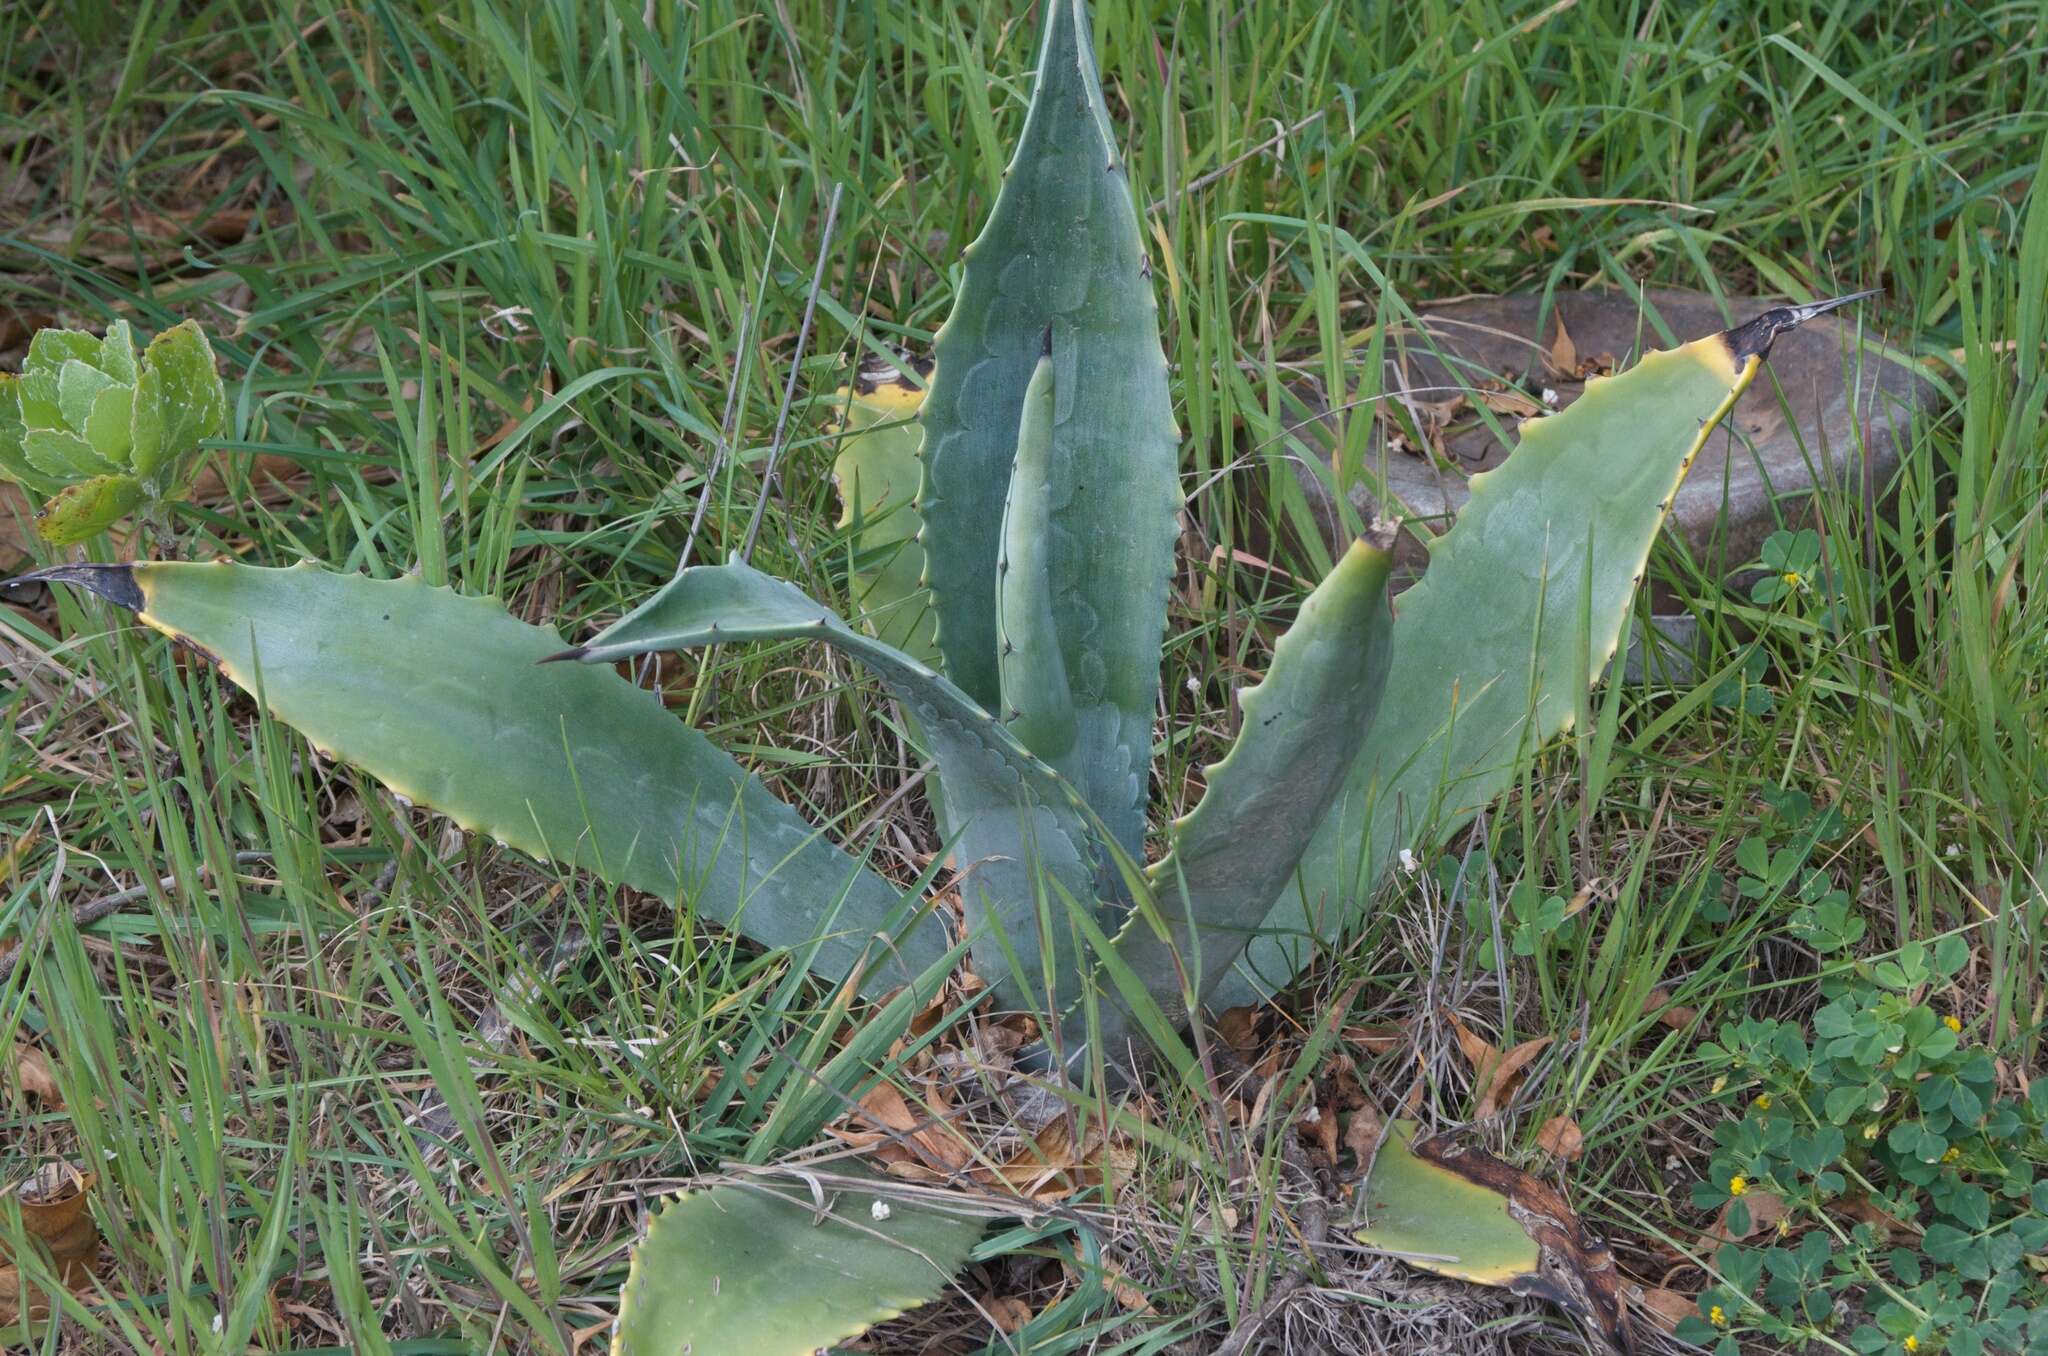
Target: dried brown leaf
{"points": [[1238, 1029], [1494, 1075], [1658, 1001], [38, 1079], [1766, 1212], [1507, 400], [1377, 1040], [1362, 1134], [1318, 1126], [1562, 1139], [1561, 359], [1007, 1312], [1668, 1307]]}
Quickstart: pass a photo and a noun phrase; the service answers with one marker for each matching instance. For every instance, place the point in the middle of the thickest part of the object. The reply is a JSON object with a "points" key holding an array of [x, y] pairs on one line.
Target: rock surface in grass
{"points": [[1834, 408]]}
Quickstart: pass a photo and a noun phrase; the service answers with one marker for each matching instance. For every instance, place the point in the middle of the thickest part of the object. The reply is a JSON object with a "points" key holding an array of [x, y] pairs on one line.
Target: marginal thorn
{"points": [[559, 656]]}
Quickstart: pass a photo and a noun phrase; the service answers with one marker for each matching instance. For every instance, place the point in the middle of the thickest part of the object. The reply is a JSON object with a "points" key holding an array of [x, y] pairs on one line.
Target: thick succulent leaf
{"points": [[62, 454], [37, 393], [78, 512], [1465, 1214], [1524, 597], [1061, 247], [763, 1269], [1037, 701], [192, 401], [14, 462], [146, 425], [1009, 815], [1303, 728], [877, 472], [107, 425], [49, 350], [79, 384], [117, 354], [441, 697]]}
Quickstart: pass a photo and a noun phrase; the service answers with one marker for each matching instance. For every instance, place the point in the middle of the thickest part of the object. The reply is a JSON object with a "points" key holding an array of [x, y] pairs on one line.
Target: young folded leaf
{"points": [[1037, 702], [440, 697]]}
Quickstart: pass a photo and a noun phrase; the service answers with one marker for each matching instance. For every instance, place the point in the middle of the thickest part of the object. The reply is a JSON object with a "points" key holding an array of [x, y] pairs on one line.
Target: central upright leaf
{"points": [[1061, 250]]}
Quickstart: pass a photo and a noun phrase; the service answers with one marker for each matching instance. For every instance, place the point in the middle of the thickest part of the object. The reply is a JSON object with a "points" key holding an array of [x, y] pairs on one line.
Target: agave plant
{"points": [[1045, 520], [101, 433]]}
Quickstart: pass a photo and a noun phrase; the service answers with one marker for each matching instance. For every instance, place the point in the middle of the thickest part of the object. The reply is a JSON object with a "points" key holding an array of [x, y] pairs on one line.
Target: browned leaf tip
{"points": [[1575, 1270]]}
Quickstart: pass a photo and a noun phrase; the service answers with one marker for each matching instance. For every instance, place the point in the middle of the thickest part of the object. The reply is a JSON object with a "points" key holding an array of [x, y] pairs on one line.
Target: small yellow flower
{"points": [[1784, 1226], [1737, 1185], [1952, 1155], [1716, 1317], [1792, 579], [1870, 1130], [1912, 1342], [1763, 1101], [1953, 1023]]}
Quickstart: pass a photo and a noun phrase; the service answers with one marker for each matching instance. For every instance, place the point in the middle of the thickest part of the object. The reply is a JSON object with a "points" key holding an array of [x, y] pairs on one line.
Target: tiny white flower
{"points": [[1549, 397], [879, 1211], [1952, 850], [1409, 863], [1195, 686], [218, 1324]]}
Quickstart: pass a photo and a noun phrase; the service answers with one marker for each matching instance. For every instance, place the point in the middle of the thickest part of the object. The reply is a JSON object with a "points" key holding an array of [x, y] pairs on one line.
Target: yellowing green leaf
{"points": [[1465, 1214], [1440, 1221], [877, 473], [89, 507]]}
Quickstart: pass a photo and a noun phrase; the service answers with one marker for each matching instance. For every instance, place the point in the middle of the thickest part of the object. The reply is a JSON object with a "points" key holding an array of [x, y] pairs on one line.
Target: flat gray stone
{"points": [[1831, 408]]}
